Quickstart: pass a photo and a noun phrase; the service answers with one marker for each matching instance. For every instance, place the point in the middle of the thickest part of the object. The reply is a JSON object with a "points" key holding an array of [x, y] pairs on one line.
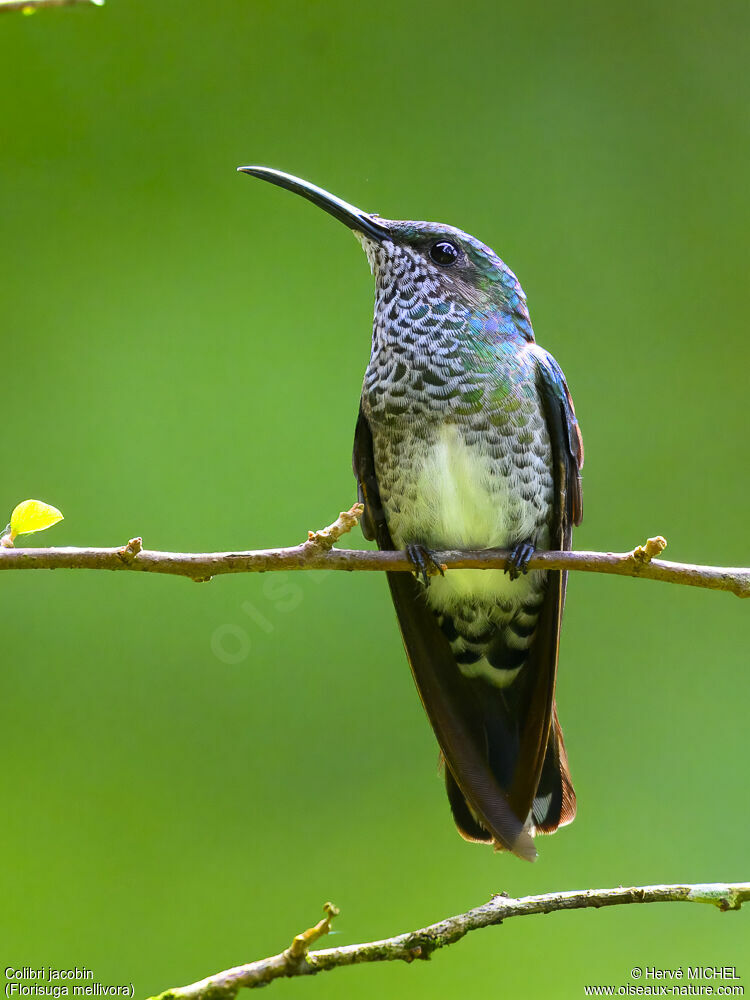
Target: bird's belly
{"points": [[452, 493]]}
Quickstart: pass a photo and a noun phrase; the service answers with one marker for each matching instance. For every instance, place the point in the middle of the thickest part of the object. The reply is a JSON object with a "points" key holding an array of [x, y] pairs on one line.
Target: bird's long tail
{"points": [[506, 768], [554, 803]]}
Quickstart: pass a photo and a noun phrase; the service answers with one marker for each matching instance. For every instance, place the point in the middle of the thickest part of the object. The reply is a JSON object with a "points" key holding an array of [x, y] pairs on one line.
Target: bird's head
{"points": [[425, 264]]}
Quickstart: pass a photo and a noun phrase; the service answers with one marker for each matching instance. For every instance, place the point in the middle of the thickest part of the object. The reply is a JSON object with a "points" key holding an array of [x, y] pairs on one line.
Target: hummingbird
{"points": [[467, 438]]}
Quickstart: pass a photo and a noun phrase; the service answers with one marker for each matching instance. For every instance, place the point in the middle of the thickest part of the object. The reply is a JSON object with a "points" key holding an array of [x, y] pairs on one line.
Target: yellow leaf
{"points": [[33, 515]]}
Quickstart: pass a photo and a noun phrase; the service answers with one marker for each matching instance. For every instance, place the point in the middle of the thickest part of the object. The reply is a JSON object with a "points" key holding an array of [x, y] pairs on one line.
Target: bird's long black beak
{"points": [[352, 217]]}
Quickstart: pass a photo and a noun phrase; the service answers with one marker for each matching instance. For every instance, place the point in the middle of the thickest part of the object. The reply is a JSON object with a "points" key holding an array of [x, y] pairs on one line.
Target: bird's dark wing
{"points": [[567, 446], [448, 697], [373, 523], [542, 777]]}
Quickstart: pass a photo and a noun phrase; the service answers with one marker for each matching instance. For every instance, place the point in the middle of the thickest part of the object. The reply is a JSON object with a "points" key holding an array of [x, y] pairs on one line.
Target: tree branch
{"points": [[318, 553], [29, 6], [420, 944]]}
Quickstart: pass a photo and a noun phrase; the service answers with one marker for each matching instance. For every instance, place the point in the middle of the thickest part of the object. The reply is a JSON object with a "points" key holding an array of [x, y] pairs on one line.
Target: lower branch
{"points": [[29, 6], [297, 961], [318, 553]]}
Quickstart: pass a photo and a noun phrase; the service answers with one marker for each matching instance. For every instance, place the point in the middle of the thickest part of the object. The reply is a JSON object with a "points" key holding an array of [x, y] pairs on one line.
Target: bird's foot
{"points": [[423, 561], [519, 559]]}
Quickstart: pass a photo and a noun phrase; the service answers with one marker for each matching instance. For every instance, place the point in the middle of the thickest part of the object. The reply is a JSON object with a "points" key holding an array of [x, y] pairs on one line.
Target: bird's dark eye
{"points": [[444, 253]]}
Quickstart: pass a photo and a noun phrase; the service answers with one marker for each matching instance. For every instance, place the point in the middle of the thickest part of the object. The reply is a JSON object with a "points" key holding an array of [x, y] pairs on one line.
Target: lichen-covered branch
{"points": [[420, 944], [29, 6], [318, 553]]}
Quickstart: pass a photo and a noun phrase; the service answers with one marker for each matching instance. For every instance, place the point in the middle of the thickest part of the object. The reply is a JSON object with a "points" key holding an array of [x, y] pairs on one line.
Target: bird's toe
{"points": [[424, 562], [519, 559]]}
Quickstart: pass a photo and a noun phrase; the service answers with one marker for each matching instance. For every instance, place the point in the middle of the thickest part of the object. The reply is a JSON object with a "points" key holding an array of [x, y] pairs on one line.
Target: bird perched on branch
{"points": [[467, 438]]}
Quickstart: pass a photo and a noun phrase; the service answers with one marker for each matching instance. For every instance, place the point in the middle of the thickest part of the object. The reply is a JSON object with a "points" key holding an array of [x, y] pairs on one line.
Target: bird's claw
{"points": [[519, 559], [423, 561]]}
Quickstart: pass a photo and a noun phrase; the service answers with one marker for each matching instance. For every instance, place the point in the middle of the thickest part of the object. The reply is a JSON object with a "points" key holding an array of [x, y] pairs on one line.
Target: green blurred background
{"points": [[188, 772]]}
